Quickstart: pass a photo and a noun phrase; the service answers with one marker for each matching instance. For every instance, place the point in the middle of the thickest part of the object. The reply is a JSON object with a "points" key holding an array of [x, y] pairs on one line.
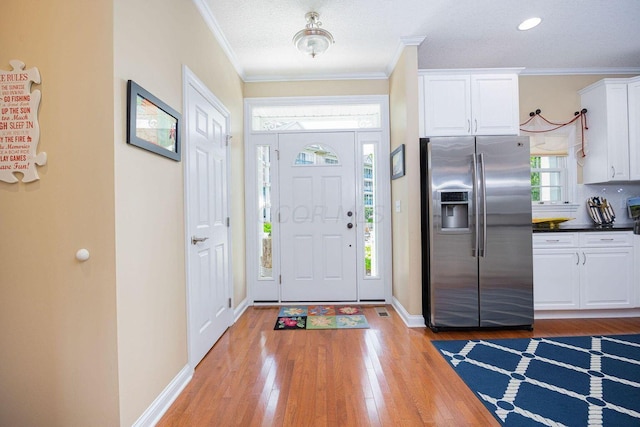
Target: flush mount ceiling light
{"points": [[528, 24], [313, 40]]}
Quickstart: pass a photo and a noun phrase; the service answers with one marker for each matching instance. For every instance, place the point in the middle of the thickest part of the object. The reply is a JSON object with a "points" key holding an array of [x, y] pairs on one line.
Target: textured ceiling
{"points": [[575, 35]]}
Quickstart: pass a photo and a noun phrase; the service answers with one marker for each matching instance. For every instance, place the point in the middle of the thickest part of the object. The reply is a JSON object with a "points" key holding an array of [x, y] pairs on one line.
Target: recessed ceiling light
{"points": [[528, 24]]}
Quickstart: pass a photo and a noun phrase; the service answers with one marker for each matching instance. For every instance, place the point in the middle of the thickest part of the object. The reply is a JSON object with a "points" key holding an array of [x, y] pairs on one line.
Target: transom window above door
{"points": [[315, 117]]}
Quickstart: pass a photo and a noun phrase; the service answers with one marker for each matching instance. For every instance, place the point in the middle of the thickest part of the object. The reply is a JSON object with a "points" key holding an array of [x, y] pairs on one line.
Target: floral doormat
{"points": [[321, 317]]}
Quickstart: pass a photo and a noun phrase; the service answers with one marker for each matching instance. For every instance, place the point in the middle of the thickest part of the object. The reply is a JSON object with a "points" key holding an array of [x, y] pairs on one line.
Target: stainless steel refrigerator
{"points": [[476, 232]]}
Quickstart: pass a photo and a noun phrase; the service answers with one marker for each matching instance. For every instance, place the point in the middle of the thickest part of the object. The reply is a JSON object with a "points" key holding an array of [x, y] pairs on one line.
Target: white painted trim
{"points": [[411, 320], [212, 23], [392, 64], [315, 77], [586, 314], [161, 404], [577, 71], [412, 41], [240, 309], [186, 74], [455, 71], [310, 100], [404, 42], [251, 245]]}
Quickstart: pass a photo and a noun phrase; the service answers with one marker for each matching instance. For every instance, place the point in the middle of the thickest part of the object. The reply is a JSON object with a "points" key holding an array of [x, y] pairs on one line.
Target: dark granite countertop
{"points": [[567, 227]]}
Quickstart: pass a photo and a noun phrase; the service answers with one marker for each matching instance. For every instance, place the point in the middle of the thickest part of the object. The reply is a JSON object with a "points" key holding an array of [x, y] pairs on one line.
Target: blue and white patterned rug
{"points": [[559, 381]]}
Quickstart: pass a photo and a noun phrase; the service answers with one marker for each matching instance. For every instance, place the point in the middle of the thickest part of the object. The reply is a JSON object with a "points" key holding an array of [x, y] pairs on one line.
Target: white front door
{"points": [[210, 312], [317, 216]]}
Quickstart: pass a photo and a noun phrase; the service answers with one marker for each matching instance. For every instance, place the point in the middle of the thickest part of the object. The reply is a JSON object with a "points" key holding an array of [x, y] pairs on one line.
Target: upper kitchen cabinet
{"points": [[613, 111], [464, 102], [633, 99]]}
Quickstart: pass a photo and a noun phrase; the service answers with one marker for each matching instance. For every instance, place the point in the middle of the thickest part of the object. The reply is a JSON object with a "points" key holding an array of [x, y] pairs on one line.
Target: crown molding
{"points": [[578, 71], [412, 41], [402, 43], [515, 70], [211, 22], [315, 77]]}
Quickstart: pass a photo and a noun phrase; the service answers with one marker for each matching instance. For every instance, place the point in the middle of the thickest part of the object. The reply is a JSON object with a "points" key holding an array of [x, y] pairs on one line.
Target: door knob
{"points": [[350, 225], [195, 239]]}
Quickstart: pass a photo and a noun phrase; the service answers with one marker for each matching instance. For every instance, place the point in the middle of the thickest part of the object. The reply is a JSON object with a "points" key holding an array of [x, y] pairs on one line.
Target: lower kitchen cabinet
{"points": [[590, 270], [556, 279], [606, 278]]}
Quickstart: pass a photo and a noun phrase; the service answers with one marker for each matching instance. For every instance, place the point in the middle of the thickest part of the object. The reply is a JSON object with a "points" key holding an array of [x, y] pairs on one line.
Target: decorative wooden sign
{"points": [[19, 129]]}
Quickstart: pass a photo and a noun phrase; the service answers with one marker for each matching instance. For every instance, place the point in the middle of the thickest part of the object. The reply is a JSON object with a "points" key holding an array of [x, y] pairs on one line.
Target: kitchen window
{"points": [[549, 179], [553, 167]]}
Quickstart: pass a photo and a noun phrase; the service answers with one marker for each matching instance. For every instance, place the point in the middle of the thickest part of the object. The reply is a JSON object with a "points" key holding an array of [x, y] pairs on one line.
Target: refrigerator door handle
{"points": [[474, 249], [483, 184]]}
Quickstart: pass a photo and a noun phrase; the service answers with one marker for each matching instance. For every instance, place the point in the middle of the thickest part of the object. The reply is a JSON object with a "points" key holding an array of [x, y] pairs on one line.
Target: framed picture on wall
{"points": [[152, 124], [397, 162]]}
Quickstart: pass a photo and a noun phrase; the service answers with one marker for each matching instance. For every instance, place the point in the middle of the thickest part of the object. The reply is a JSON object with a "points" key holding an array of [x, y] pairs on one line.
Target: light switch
{"points": [[397, 205]]}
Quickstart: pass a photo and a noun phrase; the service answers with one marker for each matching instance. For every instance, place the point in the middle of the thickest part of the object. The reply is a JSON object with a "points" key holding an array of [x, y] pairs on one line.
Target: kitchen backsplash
{"points": [[616, 195]]}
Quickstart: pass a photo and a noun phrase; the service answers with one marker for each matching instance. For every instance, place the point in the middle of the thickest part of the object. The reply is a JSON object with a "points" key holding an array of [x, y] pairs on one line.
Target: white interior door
{"points": [[210, 312], [317, 216]]}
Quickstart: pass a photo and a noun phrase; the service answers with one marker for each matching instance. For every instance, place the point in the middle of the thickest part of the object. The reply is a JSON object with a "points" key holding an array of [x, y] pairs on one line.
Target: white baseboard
{"points": [[161, 404], [411, 320], [586, 314], [240, 309]]}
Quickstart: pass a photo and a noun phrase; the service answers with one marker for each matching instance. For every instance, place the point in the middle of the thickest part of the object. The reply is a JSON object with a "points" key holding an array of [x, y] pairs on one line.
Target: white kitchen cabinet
{"points": [[556, 271], [606, 275], [633, 100], [589, 270], [556, 278], [606, 278], [467, 103], [613, 134]]}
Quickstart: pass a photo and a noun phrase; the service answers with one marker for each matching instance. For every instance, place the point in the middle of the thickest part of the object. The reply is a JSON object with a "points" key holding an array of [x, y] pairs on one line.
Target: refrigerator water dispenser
{"points": [[454, 210]]}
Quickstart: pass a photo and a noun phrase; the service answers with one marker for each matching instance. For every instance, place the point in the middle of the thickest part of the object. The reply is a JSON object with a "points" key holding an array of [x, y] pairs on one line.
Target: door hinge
{"points": [[279, 217], [228, 140], [229, 302], [280, 279], [277, 154], [228, 221]]}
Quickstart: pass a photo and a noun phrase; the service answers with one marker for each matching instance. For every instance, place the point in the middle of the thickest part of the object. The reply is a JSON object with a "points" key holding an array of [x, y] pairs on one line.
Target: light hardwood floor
{"points": [[388, 375]]}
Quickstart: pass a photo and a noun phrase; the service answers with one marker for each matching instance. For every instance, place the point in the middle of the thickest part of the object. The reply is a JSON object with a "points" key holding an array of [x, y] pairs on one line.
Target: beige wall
{"points": [[316, 88], [58, 360], [556, 96], [95, 343], [403, 112], [151, 45]]}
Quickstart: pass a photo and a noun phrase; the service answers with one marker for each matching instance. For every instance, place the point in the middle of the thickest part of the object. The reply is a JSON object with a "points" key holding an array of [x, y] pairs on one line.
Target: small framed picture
{"points": [[152, 124], [397, 162]]}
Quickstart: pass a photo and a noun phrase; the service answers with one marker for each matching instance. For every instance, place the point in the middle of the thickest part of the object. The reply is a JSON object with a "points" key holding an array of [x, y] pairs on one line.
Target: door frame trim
{"points": [[189, 78], [261, 291]]}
